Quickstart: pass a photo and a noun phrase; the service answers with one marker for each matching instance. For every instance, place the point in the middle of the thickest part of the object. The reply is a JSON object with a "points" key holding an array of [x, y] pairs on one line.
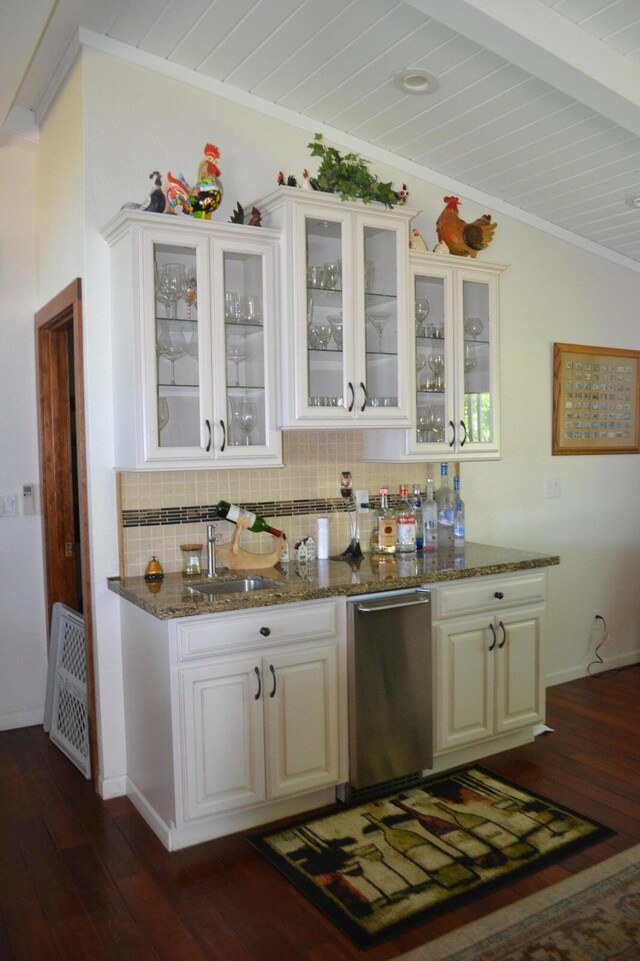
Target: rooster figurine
{"points": [[461, 238], [206, 196]]}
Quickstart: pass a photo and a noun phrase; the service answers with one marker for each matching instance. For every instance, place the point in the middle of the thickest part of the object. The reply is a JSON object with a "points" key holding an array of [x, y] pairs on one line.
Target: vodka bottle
{"points": [[405, 524], [383, 535], [416, 504], [430, 520], [231, 512], [446, 507], [458, 516]]}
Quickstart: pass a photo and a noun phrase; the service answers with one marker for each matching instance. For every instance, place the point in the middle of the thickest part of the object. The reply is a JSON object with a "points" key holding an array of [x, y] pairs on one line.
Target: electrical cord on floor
{"points": [[596, 653]]}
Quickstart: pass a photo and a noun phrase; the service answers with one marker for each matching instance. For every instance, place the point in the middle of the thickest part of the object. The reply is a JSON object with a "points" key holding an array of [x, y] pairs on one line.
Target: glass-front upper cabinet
{"points": [[346, 337], [193, 313], [455, 377]]}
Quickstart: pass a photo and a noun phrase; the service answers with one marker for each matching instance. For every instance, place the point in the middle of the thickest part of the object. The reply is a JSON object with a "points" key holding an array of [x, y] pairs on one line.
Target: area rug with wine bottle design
{"points": [[383, 866]]}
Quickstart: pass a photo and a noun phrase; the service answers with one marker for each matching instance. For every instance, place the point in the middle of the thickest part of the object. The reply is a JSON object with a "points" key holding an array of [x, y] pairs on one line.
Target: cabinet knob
{"points": [[499, 595], [265, 631]]}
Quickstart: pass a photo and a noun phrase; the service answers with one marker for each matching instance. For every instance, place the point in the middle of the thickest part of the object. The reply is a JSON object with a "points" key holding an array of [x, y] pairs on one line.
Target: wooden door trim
{"points": [[63, 313]]}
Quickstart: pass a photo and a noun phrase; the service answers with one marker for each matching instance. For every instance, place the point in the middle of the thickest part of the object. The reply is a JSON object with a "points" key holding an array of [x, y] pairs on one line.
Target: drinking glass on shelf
{"points": [[249, 309], [335, 322], [231, 306], [247, 416], [473, 327], [469, 357], [424, 423], [172, 287], [237, 352], [436, 364], [163, 413], [437, 425], [421, 362], [421, 314], [171, 344], [191, 293], [322, 335], [378, 321]]}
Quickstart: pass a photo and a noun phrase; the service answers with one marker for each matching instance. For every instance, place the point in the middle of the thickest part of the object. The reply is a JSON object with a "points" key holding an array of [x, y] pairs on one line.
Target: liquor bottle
{"points": [[446, 507], [383, 535], [416, 504], [231, 512], [405, 524], [458, 516], [430, 520]]}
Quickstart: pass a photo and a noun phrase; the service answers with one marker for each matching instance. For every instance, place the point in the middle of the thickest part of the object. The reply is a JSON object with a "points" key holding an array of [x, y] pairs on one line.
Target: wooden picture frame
{"points": [[596, 400]]}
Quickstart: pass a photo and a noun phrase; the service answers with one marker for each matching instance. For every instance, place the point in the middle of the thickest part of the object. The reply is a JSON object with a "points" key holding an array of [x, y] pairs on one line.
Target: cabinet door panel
{"points": [[222, 734], [464, 692], [301, 755], [519, 686]]}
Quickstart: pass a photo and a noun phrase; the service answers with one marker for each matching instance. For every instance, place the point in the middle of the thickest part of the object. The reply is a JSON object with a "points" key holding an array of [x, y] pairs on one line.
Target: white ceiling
{"points": [[538, 103]]}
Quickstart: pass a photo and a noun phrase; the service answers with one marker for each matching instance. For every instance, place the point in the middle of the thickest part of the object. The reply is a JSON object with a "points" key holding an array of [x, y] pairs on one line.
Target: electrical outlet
{"points": [[597, 613]]}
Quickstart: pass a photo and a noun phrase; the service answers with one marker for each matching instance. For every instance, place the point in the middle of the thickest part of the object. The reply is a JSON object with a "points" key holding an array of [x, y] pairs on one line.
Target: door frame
{"points": [[53, 322]]}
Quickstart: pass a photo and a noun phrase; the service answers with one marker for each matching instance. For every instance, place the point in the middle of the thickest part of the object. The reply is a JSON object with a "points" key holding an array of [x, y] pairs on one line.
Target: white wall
{"points": [[135, 122], [23, 648]]}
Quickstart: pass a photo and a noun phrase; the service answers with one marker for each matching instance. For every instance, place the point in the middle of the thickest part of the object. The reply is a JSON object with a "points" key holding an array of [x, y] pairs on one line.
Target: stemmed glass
{"points": [[421, 313], [322, 334], [335, 322], [473, 327], [172, 345], [378, 322], [247, 415], [421, 362], [237, 351], [469, 358], [436, 363], [172, 287]]}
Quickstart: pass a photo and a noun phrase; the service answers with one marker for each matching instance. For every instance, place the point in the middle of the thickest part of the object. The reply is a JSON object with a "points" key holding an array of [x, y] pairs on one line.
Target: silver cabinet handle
{"points": [[409, 602]]}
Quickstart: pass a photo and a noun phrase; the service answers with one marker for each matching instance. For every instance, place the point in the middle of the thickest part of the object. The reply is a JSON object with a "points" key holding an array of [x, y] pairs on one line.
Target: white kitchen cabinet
{"points": [[234, 719], [488, 637], [259, 728], [194, 308], [455, 364], [347, 331]]}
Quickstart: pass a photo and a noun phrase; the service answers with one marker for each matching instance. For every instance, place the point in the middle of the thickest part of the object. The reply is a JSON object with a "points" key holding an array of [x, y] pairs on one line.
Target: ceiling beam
{"points": [[531, 35], [22, 27]]}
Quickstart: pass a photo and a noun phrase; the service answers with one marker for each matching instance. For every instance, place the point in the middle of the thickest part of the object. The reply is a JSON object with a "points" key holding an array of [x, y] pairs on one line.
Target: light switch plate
{"points": [[8, 505], [362, 501], [552, 487]]}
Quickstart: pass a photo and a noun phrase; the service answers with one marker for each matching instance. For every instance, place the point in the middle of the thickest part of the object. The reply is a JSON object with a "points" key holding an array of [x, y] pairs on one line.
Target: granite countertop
{"points": [[174, 596]]}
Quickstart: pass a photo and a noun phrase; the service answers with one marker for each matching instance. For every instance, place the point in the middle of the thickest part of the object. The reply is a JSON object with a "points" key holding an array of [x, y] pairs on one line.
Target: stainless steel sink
{"points": [[239, 585]]}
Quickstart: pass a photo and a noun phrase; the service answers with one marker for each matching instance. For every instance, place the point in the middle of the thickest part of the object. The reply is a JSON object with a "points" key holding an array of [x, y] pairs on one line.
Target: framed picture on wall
{"points": [[595, 400]]}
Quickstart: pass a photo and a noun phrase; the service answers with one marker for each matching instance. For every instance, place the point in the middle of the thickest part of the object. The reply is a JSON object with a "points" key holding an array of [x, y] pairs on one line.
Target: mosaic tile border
{"points": [[163, 516]]}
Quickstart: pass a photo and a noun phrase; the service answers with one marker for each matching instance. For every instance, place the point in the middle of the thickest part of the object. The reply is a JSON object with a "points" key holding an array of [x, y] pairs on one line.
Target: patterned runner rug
{"points": [[592, 916], [383, 866]]}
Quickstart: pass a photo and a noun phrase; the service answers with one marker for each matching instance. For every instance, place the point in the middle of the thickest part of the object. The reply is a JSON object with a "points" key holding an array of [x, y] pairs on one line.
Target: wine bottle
{"points": [[405, 524], [231, 512]]}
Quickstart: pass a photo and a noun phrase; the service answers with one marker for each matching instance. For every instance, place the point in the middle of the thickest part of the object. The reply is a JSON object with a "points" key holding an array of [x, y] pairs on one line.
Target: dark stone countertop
{"points": [[174, 596]]}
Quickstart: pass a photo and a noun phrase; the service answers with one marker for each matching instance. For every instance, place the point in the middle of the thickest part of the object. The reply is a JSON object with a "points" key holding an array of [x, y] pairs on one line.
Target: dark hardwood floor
{"points": [[85, 879]]}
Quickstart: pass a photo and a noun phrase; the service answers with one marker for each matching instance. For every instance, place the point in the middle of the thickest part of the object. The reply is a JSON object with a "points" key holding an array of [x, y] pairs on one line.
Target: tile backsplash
{"points": [[313, 460]]}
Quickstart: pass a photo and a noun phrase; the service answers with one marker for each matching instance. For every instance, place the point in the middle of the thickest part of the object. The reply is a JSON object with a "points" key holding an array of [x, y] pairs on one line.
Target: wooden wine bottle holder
{"points": [[235, 558]]}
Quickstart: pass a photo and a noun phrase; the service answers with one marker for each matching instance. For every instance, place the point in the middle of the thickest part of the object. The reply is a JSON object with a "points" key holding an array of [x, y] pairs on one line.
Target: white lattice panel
{"points": [[66, 707]]}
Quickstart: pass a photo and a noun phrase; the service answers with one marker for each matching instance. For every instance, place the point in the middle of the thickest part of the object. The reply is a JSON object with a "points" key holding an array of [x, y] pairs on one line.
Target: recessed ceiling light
{"points": [[633, 201], [417, 81]]}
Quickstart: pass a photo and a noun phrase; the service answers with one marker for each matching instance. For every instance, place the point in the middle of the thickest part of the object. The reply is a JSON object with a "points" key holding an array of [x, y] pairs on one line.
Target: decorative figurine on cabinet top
{"points": [[462, 238], [155, 202], [201, 200]]}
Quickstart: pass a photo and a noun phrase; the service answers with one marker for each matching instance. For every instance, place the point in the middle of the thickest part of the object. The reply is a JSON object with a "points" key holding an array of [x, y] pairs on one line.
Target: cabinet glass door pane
{"points": [[325, 358], [478, 417], [176, 335], [244, 349], [381, 315], [432, 360]]}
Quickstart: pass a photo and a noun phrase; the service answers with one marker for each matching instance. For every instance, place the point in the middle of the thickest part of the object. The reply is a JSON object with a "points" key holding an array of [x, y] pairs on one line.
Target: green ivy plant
{"points": [[349, 176]]}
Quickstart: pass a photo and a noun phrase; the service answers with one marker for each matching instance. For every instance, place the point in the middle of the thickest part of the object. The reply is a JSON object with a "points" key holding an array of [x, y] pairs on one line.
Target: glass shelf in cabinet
{"points": [[244, 388], [243, 326]]}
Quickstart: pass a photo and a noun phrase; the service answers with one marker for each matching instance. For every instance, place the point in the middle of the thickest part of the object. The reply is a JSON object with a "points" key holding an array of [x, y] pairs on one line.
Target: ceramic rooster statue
{"points": [[461, 238], [201, 200]]}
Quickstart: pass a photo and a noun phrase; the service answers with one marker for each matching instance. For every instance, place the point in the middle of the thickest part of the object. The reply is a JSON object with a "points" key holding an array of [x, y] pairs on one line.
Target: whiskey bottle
{"points": [[383, 535]]}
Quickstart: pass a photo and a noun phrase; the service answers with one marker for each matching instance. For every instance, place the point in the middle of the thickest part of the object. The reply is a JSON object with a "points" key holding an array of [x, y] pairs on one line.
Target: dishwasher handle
{"points": [[410, 600]]}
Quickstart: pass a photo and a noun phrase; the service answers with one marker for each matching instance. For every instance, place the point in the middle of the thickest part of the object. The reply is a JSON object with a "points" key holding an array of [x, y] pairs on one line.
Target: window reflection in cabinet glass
{"points": [[380, 273], [325, 365], [244, 346], [476, 362]]}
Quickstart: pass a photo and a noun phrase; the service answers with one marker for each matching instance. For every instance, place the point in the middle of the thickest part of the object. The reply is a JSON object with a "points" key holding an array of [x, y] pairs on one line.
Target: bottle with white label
{"points": [[383, 534], [446, 507], [405, 524], [430, 520]]}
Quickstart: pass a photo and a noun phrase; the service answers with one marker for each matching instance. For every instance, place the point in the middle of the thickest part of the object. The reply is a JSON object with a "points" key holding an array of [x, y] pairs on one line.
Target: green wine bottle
{"points": [[231, 512]]}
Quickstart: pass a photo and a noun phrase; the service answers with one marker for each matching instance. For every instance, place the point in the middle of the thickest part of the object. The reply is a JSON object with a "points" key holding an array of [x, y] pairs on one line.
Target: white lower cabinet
{"points": [[234, 719], [488, 649], [260, 727]]}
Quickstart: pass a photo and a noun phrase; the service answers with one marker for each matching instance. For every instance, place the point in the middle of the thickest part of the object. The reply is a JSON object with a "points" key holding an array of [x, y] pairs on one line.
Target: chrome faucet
{"points": [[211, 551]]}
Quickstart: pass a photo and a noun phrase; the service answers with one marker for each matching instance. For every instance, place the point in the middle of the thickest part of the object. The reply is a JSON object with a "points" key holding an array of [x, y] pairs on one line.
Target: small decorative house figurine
{"points": [[305, 550]]}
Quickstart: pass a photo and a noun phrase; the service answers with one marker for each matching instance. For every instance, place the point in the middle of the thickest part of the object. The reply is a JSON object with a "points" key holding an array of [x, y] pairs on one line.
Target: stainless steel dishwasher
{"points": [[390, 691]]}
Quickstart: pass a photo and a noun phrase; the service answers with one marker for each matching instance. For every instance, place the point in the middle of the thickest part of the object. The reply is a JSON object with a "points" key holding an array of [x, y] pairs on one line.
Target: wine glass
{"points": [[421, 314], [246, 416], [473, 327], [469, 358], [378, 321], [322, 335], [172, 287], [335, 322], [191, 293], [436, 363], [163, 413], [421, 362], [237, 352], [171, 344]]}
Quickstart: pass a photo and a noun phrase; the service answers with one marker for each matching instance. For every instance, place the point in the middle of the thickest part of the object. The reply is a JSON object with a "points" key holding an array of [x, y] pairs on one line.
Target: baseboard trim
{"points": [[14, 719], [110, 787], [611, 664]]}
